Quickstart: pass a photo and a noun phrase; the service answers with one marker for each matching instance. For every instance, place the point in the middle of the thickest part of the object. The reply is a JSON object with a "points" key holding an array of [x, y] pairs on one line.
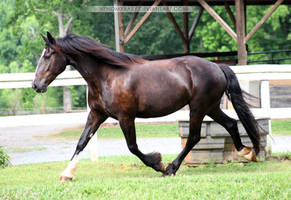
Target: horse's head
{"points": [[51, 63]]}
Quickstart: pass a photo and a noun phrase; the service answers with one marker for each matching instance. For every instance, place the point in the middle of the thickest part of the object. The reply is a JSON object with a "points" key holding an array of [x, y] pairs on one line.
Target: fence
{"points": [[271, 56], [262, 73]]}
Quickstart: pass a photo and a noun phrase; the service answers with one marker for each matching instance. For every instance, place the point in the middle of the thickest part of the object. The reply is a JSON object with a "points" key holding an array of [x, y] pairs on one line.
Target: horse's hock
{"points": [[216, 144]]}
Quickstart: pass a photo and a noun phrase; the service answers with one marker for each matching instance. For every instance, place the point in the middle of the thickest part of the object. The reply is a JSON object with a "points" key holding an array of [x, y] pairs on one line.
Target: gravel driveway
{"points": [[29, 145]]}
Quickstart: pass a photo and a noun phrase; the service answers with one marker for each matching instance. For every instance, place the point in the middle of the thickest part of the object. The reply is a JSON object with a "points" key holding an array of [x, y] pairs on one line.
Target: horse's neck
{"points": [[91, 71]]}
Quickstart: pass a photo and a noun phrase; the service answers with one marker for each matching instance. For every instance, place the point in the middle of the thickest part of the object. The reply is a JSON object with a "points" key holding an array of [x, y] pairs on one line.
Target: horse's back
{"points": [[196, 72]]}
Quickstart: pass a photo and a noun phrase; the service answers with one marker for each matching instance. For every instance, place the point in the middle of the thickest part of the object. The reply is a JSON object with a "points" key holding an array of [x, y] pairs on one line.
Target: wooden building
{"points": [[124, 34]]}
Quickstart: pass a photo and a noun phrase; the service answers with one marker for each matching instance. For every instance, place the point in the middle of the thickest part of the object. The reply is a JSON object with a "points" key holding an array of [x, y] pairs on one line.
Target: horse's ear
{"points": [[50, 38], [44, 38]]}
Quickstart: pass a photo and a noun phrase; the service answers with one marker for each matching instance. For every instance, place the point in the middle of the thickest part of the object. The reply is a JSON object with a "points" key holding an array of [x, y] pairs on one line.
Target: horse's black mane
{"points": [[79, 45]]}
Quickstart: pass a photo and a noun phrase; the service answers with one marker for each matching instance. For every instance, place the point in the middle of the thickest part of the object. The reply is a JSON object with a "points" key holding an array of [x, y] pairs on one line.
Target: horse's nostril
{"points": [[33, 86]]}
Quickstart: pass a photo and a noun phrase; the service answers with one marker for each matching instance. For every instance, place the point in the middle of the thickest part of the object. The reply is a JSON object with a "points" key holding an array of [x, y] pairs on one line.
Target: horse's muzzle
{"points": [[39, 88]]}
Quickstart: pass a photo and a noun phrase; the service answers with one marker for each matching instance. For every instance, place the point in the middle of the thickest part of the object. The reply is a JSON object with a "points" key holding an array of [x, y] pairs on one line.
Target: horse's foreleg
{"points": [[153, 160], [93, 122], [193, 139]]}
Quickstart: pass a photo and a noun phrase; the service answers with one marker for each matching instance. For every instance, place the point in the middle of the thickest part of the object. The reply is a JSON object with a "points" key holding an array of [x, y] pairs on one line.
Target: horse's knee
{"points": [[133, 148]]}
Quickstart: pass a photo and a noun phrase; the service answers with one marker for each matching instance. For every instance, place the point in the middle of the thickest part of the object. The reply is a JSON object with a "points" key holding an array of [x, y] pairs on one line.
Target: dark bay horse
{"points": [[124, 86]]}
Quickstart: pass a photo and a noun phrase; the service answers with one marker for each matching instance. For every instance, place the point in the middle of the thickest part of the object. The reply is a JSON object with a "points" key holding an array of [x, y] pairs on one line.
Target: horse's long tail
{"points": [[234, 93]]}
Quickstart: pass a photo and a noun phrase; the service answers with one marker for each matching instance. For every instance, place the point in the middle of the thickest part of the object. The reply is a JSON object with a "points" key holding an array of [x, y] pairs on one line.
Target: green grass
{"points": [[281, 128], [124, 177], [142, 130], [23, 150]]}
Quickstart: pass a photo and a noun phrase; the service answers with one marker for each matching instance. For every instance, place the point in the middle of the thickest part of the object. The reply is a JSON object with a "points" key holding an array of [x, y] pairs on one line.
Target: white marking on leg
{"points": [[248, 154], [243, 152], [71, 168]]}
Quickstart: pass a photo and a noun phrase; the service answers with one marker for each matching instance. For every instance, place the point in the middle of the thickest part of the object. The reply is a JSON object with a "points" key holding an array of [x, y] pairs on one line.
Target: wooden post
{"points": [[116, 26], [186, 28], [93, 148], [240, 30], [121, 29], [265, 95], [93, 143], [266, 105]]}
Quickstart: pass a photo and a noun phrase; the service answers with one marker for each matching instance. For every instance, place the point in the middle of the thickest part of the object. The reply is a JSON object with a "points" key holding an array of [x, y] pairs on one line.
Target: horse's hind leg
{"points": [[94, 120], [231, 126], [193, 138], [153, 160]]}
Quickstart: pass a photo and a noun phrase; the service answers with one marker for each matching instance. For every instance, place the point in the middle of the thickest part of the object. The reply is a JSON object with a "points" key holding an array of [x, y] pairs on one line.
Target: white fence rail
{"points": [[263, 73], [24, 80], [248, 72]]}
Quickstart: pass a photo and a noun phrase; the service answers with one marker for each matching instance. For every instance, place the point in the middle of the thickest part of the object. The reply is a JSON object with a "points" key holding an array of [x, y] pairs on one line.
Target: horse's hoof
{"points": [[157, 163], [65, 179], [170, 171], [248, 154], [165, 174]]}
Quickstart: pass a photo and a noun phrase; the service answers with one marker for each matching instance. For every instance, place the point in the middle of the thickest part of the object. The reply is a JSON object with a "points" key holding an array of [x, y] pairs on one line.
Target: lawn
{"points": [[279, 128], [124, 177], [142, 130]]}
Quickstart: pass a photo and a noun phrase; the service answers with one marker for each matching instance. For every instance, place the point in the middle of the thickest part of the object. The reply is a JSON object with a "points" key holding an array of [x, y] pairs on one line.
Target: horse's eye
{"points": [[47, 56]]}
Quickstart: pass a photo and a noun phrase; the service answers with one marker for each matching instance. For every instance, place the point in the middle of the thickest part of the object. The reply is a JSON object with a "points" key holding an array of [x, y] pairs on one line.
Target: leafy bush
{"points": [[4, 158]]}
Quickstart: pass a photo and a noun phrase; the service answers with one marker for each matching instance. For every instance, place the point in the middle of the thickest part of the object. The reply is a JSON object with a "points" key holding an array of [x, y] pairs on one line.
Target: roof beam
{"points": [[140, 23], [263, 20], [195, 23], [132, 20], [218, 19], [172, 18], [230, 13]]}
